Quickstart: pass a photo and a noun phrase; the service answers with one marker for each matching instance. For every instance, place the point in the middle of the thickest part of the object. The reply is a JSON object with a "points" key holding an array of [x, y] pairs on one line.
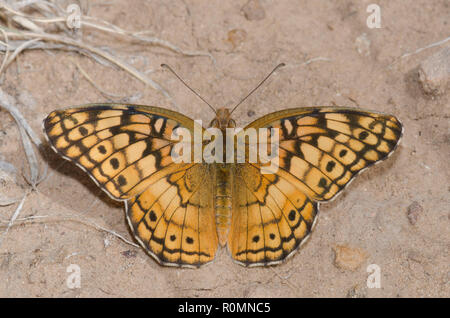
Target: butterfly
{"points": [[181, 212]]}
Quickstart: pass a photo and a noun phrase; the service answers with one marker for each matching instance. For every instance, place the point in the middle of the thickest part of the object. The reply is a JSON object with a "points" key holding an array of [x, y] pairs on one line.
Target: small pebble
{"points": [[348, 258], [356, 292], [236, 37], [434, 72], [250, 113], [129, 253], [413, 212], [253, 10], [415, 256]]}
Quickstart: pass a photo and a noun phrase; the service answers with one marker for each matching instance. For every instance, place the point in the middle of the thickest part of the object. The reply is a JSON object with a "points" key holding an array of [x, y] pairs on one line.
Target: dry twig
{"points": [[33, 30], [13, 218], [26, 133], [43, 218]]}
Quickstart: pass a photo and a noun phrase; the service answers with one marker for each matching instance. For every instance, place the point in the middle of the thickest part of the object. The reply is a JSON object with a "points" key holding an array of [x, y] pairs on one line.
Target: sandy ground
{"points": [[354, 69]]}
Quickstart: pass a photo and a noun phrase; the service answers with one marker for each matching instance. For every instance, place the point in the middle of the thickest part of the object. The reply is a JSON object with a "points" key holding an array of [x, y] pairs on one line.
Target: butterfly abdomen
{"points": [[223, 202]]}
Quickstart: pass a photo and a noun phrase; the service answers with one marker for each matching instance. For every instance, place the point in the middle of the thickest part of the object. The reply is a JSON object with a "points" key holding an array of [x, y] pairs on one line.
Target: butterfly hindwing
{"points": [[271, 217], [320, 150], [174, 218]]}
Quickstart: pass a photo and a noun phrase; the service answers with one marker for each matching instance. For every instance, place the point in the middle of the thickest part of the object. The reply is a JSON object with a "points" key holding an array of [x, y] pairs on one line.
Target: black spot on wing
{"points": [[363, 135], [330, 165], [114, 163], [102, 149], [83, 131], [291, 215], [152, 216], [322, 183], [122, 180], [189, 240]]}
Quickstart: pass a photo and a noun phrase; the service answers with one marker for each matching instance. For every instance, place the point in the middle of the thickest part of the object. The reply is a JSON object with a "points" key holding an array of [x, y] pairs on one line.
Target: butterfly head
{"points": [[223, 119]]}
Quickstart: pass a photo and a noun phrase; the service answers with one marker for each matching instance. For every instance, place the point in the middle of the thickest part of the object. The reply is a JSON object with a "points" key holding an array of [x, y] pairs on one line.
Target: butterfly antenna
{"points": [[170, 69], [276, 67]]}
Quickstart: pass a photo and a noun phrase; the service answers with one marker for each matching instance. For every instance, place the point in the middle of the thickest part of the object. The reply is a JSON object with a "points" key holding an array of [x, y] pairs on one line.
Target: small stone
{"points": [[129, 254], [413, 212], [236, 37], [434, 72], [251, 113], [415, 256], [348, 258], [253, 10], [356, 292]]}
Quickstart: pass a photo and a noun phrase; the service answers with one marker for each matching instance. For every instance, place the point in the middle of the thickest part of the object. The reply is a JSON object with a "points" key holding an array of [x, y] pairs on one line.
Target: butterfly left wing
{"points": [[126, 150], [321, 149], [173, 218]]}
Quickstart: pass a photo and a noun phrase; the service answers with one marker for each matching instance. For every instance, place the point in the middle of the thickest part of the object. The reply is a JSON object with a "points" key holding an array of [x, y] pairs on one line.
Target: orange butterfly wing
{"points": [[321, 149], [126, 150]]}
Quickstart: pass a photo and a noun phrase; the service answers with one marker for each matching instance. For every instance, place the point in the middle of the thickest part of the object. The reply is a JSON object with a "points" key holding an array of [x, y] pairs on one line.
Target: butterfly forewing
{"points": [[321, 149], [120, 147]]}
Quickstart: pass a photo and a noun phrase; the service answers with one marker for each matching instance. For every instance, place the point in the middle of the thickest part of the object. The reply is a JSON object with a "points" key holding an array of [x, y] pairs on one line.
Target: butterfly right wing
{"points": [[271, 218], [321, 149]]}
